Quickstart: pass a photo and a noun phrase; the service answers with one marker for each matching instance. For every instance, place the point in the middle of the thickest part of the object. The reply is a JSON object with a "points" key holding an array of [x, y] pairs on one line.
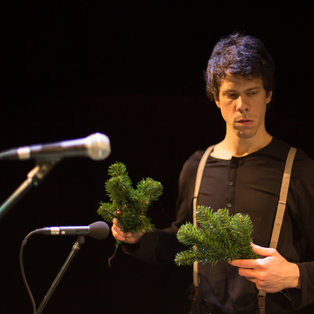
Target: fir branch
{"points": [[220, 237], [127, 204]]}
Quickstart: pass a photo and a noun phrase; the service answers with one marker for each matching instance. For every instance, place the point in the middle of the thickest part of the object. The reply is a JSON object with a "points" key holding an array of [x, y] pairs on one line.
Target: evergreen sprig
{"points": [[221, 237], [127, 204]]}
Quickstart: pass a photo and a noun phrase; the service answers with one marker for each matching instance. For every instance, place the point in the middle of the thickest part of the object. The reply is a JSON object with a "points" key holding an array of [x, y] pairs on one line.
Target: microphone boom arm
{"points": [[75, 248], [34, 177]]}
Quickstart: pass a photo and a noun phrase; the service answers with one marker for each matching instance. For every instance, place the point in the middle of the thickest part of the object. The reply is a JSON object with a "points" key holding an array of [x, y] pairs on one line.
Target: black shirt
{"points": [[250, 185]]}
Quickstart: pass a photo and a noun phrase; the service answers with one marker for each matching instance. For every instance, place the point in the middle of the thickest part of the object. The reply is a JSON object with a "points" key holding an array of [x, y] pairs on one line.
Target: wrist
{"points": [[296, 282]]}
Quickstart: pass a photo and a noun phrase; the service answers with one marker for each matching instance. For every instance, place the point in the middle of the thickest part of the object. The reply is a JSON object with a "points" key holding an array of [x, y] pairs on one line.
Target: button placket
{"points": [[231, 183]]}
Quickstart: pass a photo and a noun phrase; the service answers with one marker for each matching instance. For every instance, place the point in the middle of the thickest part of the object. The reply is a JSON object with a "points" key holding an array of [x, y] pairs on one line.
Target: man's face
{"points": [[242, 103]]}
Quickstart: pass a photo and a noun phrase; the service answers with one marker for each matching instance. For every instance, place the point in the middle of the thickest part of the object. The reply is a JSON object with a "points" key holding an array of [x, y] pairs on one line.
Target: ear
{"points": [[269, 96], [217, 101]]}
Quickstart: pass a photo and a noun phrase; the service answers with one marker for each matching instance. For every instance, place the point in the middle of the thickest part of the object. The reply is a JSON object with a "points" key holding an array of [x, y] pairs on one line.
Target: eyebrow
{"points": [[235, 91], [254, 87]]}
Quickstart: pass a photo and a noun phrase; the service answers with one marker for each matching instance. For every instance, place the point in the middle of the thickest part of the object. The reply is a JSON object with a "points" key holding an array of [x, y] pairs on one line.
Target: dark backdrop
{"points": [[132, 70]]}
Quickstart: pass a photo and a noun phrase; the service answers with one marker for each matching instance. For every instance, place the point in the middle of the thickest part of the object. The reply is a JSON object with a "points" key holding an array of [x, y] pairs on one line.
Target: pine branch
{"points": [[127, 204], [220, 237]]}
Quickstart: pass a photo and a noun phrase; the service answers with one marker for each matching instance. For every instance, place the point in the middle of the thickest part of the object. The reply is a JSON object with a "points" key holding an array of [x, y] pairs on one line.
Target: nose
{"points": [[241, 104]]}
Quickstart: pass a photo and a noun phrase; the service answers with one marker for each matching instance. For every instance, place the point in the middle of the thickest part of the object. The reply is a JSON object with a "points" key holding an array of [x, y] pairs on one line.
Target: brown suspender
{"points": [[199, 175], [281, 207], [278, 219]]}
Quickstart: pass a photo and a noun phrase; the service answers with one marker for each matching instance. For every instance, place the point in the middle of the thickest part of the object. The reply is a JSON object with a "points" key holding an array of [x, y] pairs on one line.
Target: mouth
{"points": [[244, 121]]}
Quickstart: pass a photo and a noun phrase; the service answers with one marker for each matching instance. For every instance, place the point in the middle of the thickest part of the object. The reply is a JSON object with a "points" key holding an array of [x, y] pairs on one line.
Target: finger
{"points": [[120, 235], [247, 272], [116, 231], [115, 221], [129, 234], [263, 251], [131, 238], [244, 263], [116, 228], [126, 237], [117, 235], [254, 280]]}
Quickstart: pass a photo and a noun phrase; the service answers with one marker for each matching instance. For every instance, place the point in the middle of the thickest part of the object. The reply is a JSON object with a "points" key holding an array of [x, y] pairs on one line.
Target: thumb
{"points": [[263, 251]]}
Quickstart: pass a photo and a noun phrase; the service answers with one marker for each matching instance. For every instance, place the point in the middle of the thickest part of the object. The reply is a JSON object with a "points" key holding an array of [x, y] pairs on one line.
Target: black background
{"points": [[134, 71]]}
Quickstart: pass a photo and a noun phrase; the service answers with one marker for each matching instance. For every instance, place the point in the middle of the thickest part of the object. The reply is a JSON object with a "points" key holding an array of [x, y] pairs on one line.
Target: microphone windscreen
{"points": [[99, 230]]}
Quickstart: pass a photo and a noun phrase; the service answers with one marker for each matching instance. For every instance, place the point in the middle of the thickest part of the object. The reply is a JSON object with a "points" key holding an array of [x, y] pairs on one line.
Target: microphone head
{"points": [[98, 146], [99, 230]]}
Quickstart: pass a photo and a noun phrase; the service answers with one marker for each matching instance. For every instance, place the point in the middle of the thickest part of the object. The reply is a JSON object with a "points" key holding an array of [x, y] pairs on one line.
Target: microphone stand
{"points": [[34, 177], [77, 245]]}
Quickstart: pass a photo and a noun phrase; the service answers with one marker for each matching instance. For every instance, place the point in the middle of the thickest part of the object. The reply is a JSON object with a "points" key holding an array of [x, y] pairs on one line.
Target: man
{"points": [[244, 173]]}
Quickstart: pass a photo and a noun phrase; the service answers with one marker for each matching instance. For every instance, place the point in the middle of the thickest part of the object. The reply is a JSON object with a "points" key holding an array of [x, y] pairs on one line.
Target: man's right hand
{"points": [[126, 237]]}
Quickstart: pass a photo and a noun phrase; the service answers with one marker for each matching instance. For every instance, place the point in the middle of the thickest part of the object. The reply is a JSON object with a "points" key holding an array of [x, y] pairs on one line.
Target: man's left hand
{"points": [[272, 273]]}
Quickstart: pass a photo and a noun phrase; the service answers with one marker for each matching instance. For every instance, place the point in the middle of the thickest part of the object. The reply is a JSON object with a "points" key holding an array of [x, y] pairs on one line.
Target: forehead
{"points": [[231, 82]]}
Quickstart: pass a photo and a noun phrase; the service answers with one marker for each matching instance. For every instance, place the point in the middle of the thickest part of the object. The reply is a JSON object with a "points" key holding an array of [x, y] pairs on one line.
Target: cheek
{"points": [[261, 109], [227, 113]]}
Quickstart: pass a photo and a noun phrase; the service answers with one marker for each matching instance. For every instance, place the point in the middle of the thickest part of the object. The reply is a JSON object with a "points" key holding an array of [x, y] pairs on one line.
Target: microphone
{"points": [[98, 230], [96, 146]]}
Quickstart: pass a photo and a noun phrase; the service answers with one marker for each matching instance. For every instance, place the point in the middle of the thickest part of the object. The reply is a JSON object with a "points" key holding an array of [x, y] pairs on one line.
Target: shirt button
{"points": [[229, 205], [233, 164]]}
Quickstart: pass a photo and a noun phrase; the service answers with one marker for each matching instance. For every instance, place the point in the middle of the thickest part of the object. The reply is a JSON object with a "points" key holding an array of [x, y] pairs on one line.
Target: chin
{"points": [[245, 134]]}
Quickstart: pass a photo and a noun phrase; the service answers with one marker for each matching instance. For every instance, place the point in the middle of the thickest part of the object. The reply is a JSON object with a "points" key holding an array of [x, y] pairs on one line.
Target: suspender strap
{"points": [[283, 198], [281, 207], [199, 176]]}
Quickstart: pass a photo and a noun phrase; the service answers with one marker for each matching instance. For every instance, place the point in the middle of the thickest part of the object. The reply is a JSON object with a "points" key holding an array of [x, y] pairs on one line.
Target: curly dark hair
{"points": [[239, 55]]}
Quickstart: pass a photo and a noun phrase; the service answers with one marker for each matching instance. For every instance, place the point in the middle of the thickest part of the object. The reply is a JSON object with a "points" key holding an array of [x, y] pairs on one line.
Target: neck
{"points": [[234, 146]]}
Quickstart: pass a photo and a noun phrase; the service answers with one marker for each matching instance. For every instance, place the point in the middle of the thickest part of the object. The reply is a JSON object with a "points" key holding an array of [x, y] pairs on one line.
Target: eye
{"points": [[252, 93], [233, 96]]}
